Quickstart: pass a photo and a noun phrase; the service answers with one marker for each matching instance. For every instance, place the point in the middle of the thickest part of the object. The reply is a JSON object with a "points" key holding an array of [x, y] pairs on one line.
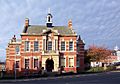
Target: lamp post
{"points": [[15, 66], [16, 52]]}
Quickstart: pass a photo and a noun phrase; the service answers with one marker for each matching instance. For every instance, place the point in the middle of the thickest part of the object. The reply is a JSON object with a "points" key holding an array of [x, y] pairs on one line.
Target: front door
{"points": [[49, 65]]}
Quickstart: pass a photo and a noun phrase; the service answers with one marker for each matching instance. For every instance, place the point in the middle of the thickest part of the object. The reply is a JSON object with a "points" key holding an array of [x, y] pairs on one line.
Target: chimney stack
{"points": [[26, 22], [70, 24]]}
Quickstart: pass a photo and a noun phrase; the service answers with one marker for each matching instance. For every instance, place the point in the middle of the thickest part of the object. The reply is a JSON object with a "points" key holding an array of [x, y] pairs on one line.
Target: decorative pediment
{"points": [[50, 32]]}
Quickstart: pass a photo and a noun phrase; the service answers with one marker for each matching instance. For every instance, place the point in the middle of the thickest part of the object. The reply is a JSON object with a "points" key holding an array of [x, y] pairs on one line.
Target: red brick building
{"points": [[46, 46]]}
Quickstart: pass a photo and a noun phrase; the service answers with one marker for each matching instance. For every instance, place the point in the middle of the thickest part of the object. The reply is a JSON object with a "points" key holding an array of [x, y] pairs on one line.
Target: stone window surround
{"points": [[73, 61], [25, 45], [61, 45], [73, 45], [35, 57], [53, 43], [29, 61], [65, 59], [34, 46]]}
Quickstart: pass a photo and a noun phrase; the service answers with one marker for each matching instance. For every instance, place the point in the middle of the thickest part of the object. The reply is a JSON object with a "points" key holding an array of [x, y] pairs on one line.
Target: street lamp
{"points": [[15, 64], [16, 52]]}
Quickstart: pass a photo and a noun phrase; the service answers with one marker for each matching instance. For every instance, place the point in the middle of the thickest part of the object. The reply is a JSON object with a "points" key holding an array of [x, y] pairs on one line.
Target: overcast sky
{"points": [[97, 21]]}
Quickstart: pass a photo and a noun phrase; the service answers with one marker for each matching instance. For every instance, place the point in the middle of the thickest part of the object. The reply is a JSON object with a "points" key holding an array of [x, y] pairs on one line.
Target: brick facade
{"points": [[47, 51]]}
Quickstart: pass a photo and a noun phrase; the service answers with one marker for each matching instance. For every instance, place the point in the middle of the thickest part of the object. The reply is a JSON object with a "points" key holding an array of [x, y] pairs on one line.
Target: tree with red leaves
{"points": [[98, 54]]}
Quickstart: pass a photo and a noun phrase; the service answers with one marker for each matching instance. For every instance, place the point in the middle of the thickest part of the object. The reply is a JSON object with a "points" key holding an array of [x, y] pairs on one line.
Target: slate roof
{"points": [[38, 29], [80, 41]]}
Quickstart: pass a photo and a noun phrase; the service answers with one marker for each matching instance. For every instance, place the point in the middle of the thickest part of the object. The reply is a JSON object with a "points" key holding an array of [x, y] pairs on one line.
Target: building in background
{"points": [[48, 47], [2, 66], [112, 59], [117, 53]]}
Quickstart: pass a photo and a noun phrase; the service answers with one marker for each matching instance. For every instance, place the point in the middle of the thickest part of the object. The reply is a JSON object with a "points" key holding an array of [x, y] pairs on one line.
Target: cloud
{"points": [[96, 21]]}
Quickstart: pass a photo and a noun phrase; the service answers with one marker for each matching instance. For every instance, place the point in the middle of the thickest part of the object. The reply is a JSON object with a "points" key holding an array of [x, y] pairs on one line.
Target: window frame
{"points": [[48, 46], [62, 46], [64, 61], [36, 47], [69, 63], [27, 45], [37, 63], [17, 66], [70, 46], [78, 62], [28, 64]]}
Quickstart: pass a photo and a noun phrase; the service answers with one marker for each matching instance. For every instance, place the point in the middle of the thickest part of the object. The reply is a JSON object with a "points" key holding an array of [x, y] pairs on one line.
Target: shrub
{"points": [[96, 69], [109, 68]]}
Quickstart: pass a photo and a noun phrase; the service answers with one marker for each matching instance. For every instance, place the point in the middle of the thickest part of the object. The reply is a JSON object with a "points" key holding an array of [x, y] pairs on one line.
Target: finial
{"points": [[14, 39], [79, 38], [116, 48], [48, 10]]}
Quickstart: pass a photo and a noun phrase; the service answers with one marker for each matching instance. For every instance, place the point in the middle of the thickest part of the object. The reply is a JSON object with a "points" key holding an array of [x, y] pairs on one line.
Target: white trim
{"points": [[56, 31], [69, 46], [64, 60], [50, 34], [31, 40], [73, 61], [26, 39], [73, 45], [53, 46], [62, 39], [44, 30], [29, 62], [25, 46], [43, 43], [36, 39], [71, 40], [49, 39], [56, 37]]}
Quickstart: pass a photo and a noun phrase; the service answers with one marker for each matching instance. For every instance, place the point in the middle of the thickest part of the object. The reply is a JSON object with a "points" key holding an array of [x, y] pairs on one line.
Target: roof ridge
{"points": [[46, 26]]}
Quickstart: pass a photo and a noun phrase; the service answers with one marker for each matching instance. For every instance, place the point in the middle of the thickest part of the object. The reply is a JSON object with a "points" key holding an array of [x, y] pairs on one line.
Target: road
{"points": [[100, 78]]}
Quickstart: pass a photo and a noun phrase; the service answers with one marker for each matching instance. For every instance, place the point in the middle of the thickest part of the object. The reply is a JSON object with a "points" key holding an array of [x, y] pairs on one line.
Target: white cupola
{"points": [[116, 48], [49, 19]]}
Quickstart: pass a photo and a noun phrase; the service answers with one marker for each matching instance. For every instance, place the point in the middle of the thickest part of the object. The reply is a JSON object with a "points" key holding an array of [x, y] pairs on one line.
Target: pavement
{"points": [[58, 77]]}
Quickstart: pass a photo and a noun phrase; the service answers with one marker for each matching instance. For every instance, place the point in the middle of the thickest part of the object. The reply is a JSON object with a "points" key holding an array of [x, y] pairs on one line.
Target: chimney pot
{"points": [[70, 23], [26, 22]]}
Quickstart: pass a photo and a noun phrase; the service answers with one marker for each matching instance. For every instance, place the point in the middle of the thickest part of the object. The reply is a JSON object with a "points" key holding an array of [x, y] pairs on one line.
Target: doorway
{"points": [[49, 65]]}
